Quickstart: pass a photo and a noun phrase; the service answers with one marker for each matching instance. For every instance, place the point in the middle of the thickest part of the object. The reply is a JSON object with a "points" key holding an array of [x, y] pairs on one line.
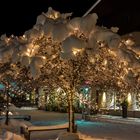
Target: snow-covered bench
{"points": [[27, 130], [24, 117]]}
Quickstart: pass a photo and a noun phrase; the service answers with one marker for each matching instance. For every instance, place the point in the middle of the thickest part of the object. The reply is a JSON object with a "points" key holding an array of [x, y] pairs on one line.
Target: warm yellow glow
{"points": [[28, 50], [31, 50], [17, 73], [44, 57], [27, 54], [7, 40], [54, 56], [76, 51], [92, 60], [121, 77], [106, 67], [54, 16], [105, 62], [129, 42], [126, 71], [59, 89], [111, 52], [104, 97], [13, 65], [129, 98], [103, 103], [119, 83], [75, 30], [125, 63], [24, 36]]}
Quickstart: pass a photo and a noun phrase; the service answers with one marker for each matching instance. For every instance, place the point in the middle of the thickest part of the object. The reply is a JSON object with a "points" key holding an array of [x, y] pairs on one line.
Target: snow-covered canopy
{"points": [[73, 35]]}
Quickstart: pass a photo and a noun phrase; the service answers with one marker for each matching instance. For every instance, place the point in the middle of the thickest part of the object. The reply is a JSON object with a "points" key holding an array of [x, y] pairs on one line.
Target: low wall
{"points": [[134, 114]]}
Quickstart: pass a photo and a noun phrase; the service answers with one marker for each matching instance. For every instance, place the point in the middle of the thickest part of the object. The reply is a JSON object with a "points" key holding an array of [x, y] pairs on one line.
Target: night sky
{"points": [[17, 16]]}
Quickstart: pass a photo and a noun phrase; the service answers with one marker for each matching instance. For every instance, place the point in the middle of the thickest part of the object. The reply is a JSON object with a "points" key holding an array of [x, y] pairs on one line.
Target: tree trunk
{"points": [[7, 109], [71, 113], [97, 101], [37, 95]]}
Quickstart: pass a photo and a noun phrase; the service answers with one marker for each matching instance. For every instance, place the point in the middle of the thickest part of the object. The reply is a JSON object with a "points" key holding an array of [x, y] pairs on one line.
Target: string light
{"points": [[103, 67]]}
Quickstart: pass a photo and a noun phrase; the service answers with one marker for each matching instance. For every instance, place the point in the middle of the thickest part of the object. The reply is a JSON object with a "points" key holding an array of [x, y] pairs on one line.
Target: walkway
{"points": [[114, 119], [102, 127]]}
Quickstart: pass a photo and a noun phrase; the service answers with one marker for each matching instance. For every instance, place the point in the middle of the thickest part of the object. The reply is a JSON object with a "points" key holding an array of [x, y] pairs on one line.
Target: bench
{"points": [[24, 117], [26, 131]]}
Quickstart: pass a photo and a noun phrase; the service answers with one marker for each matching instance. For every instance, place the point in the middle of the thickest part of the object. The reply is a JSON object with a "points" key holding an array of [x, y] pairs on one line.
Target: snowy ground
{"points": [[87, 130]]}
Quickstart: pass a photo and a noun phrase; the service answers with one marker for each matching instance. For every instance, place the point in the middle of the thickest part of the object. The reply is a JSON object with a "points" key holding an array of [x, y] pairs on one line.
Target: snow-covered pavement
{"points": [[88, 130]]}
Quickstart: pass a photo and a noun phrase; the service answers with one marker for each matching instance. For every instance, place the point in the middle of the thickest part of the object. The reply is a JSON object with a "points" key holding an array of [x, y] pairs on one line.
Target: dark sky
{"points": [[17, 16]]}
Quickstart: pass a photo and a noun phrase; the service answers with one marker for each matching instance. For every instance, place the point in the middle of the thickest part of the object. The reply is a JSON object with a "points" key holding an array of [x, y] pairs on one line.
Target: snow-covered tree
{"points": [[63, 52]]}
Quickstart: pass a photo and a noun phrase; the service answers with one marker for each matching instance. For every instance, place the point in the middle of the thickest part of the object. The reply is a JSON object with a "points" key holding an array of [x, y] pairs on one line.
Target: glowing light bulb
{"points": [[76, 51]]}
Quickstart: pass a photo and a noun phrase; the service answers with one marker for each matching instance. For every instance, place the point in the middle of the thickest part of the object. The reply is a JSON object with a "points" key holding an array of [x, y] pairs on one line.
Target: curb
{"points": [[112, 120]]}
